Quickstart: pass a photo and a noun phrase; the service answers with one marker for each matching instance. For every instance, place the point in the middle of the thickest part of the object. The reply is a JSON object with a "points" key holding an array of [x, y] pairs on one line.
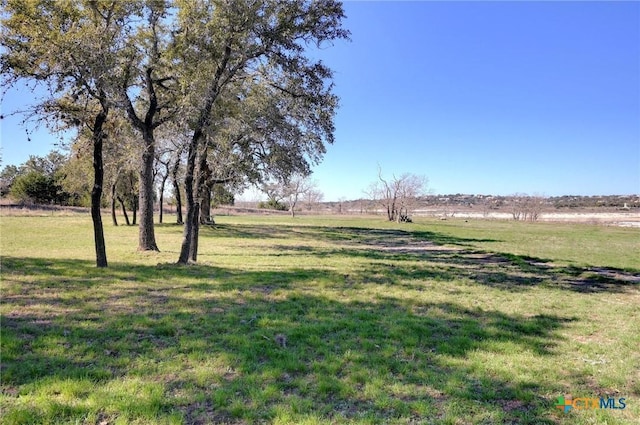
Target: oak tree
{"points": [[240, 47], [70, 48]]}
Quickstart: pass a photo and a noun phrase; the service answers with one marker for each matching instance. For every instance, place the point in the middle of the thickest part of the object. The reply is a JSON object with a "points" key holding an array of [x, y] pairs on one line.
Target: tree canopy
{"points": [[233, 77]]}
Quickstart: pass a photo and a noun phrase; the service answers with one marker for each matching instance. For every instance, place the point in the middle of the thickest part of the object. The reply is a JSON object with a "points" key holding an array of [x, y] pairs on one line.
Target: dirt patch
{"points": [[615, 274], [413, 248]]}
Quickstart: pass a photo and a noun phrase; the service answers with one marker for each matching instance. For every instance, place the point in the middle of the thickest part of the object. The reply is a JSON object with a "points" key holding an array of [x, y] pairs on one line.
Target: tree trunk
{"points": [[205, 205], [134, 210], [200, 189], [189, 250], [179, 219], [96, 192], [113, 203], [195, 231], [176, 191], [198, 136], [191, 215], [393, 209], [186, 239], [147, 238], [124, 211], [161, 200]]}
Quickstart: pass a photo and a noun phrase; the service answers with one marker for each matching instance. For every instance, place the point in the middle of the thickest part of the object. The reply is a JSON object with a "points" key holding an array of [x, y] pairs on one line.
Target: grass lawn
{"points": [[320, 320]]}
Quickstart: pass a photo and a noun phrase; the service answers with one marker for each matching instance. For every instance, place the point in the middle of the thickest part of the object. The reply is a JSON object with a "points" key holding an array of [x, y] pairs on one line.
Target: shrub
{"points": [[36, 187], [273, 204]]}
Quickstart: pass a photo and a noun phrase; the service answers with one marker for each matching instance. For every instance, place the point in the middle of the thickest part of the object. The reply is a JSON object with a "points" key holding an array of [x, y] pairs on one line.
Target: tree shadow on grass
{"points": [[198, 343], [413, 267], [337, 234], [444, 257]]}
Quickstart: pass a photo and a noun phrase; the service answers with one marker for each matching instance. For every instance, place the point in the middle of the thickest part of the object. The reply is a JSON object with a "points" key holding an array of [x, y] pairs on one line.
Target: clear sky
{"points": [[480, 97], [488, 97]]}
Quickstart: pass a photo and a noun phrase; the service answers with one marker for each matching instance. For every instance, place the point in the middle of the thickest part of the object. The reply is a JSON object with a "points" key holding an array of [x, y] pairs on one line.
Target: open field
{"points": [[595, 216], [443, 322], [607, 218]]}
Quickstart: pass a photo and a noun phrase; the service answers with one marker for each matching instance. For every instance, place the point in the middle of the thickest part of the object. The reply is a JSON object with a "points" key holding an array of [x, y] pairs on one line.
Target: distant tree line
{"points": [[496, 202], [610, 201], [519, 206]]}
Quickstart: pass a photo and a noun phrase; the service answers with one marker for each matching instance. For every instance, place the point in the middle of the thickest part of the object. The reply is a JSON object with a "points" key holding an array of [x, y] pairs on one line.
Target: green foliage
{"points": [[185, 65], [273, 204], [37, 188], [7, 176], [220, 195], [48, 165], [45, 188], [77, 181]]}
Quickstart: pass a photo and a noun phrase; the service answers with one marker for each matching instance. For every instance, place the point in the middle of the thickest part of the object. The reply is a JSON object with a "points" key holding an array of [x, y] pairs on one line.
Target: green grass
{"points": [[478, 322]]}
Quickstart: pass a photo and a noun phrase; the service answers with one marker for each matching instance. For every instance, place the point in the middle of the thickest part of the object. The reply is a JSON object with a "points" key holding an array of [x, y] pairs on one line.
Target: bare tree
{"points": [[275, 196], [286, 192], [341, 201], [533, 207], [313, 197], [525, 207], [398, 196], [295, 188], [487, 205], [169, 156]]}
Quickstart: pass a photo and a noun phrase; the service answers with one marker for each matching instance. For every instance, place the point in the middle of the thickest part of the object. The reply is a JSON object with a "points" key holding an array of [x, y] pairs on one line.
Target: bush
{"points": [[272, 204], [36, 187]]}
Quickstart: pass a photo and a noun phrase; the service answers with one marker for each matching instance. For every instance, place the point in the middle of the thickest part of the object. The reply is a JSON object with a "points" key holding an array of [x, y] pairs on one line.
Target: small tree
{"points": [[7, 177], [35, 187], [313, 197], [221, 195], [399, 195], [525, 207], [286, 192], [295, 188], [126, 192], [39, 179], [275, 196]]}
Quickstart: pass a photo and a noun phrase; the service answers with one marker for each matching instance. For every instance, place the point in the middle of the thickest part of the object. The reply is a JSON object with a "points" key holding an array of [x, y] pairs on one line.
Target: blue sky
{"points": [[480, 97], [488, 97]]}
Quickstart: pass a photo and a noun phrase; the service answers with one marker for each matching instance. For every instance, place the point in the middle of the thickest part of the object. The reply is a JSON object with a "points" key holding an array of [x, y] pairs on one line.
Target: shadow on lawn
{"points": [[198, 341], [360, 235], [442, 257], [508, 272], [209, 352]]}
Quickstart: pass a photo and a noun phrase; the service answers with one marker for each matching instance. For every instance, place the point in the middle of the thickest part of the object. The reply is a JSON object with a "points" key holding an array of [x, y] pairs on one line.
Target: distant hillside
{"points": [[567, 201], [491, 202]]}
